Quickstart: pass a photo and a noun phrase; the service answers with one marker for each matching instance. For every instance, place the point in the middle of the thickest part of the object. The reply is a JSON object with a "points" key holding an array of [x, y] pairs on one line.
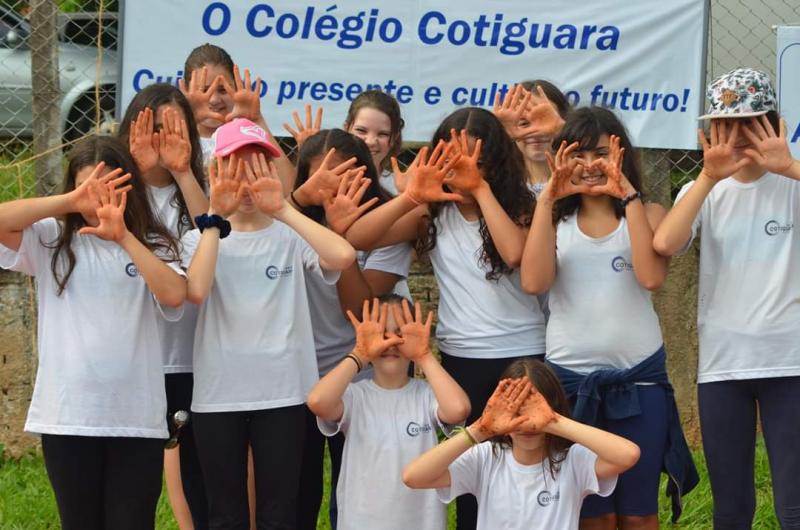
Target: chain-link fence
{"points": [[740, 33]]}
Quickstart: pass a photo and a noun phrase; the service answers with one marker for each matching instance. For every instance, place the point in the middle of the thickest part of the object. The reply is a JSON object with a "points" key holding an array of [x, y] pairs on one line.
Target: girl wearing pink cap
{"points": [[254, 348]]}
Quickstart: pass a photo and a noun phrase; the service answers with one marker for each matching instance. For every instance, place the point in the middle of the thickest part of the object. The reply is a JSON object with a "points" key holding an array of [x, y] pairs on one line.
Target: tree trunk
{"points": [[46, 95]]}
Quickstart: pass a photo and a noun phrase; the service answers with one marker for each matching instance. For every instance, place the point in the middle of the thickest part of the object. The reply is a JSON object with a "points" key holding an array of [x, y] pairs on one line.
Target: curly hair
{"points": [[546, 382], [585, 126], [347, 146], [502, 167]]}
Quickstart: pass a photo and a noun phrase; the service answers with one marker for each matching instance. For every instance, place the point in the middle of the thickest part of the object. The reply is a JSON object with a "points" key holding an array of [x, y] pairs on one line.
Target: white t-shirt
{"points": [[515, 496], [600, 316], [384, 431], [536, 188], [334, 336], [100, 370], [254, 348], [480, 318], [207, 145], [748, 311], [176, 337]]}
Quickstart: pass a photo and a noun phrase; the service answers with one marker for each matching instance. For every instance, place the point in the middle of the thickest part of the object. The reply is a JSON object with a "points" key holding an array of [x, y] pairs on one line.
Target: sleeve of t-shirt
{"points": [[349, 399], [697, 219], [394, 259], [582, 468], [188, 247], [466, 473], [311, 263], [33, 256]]}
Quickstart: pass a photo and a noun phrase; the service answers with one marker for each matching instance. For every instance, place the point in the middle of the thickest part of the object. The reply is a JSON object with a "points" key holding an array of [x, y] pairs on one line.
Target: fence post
{"points": [[676, 303], [46, 95]]}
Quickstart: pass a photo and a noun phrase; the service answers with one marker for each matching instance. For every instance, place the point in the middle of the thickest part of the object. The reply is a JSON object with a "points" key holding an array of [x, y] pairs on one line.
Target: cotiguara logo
{"points": [[620, 265], [415, 429], [273, 272], [545, 498], [131, 270], [773, 228]]}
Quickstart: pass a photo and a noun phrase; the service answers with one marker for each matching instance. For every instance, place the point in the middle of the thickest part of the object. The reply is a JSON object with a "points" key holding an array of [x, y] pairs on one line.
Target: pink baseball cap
{"points": [[239, 133]]}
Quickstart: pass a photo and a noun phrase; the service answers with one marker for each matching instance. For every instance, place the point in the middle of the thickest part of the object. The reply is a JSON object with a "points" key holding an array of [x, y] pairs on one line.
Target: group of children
{"points": [[189, 265]]}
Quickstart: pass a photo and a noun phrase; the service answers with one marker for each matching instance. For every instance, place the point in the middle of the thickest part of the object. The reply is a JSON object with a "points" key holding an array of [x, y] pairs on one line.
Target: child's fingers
{"points": [[714, 132], [384, 314], [451, 163], [347, 164], [701, 138], [353, 319], [429, 321], [395, 166], [734, 133], [376, 310], [436, 153], [407, 318], [342, 189], [392, 340], [308, 115], [123, 199], [297, 121], [89, 230], [291, 131], [318, 120], [119, 180], [767, 126], [362, 190], [476, 153], [365, 310], [399, 318], [417, 312], [248, 84]]}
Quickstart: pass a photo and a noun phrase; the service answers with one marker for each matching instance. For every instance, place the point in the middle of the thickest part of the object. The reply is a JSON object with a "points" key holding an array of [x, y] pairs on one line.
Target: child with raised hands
{"points": [[106, 271], [218, 94], [533, 121], [468, 206], [389, 419], [327, 159], [745, 203], [591, 245], [254, 348], [539, 464], [161, 134]]}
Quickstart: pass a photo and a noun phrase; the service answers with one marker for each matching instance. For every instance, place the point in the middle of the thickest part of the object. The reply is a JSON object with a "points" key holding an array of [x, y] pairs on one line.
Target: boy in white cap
{"points": [[746, 200]]}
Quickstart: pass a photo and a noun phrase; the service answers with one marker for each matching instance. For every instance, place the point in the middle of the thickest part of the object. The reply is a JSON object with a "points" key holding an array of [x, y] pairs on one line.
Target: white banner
{"points": [[788, 55], [644, 58]]}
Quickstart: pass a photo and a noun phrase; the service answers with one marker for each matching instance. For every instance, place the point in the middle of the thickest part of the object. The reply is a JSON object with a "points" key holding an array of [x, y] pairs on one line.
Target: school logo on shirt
{"points": [[545, 498], [273, 272], [773, 228], [415, 429], [620, 265], [131, 270]]}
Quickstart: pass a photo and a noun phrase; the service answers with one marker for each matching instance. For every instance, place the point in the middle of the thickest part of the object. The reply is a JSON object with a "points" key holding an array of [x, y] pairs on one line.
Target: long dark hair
{"points": [[347, 146], [207, 54], [375, 99], [139, 217], [586, 125], [152, 97], [548, 385], [504, 170]]}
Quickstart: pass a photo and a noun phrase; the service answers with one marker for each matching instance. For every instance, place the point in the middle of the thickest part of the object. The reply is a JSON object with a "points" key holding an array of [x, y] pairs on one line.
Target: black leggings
{"points": [[276, 437], [728, 412], [478, 378], [311, 480], [179, 397], [104, 482]]}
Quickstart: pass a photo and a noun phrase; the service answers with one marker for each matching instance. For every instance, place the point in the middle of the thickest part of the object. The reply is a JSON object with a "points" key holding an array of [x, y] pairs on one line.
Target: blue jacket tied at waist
{"points": [[615, 390]]}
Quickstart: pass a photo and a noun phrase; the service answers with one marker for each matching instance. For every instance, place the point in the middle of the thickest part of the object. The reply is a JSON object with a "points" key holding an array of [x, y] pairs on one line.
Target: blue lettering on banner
{"points": [[796, 135], [212, 9]]}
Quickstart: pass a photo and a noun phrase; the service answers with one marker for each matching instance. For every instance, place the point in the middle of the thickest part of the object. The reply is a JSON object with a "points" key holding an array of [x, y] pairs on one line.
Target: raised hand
{"points": [[370, 340], [343, 209], [307, 130], [769, 151], [225, 185], [510, 109], [617, 184], [110, 214], [427, 175], [246, 99], [537, 413], [142, 142], [564, 171], [264, 185], [324, 182], [199, 95], [84, 199], [719, 161], [465, 177], [540, 116], [174, 149], [501, 413], [415, 332]]}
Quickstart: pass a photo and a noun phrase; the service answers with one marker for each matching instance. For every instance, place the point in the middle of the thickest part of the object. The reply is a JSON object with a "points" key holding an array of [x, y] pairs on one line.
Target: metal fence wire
{"points": [[740, 33]]}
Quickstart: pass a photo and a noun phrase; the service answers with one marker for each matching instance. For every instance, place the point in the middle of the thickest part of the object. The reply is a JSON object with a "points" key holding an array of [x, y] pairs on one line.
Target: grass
{"points": [[27, 502]]}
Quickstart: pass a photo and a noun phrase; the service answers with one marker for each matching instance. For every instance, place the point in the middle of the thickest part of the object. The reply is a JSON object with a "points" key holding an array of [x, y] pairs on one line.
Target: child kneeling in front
{"points": [[540, 464], [387, 420]]}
